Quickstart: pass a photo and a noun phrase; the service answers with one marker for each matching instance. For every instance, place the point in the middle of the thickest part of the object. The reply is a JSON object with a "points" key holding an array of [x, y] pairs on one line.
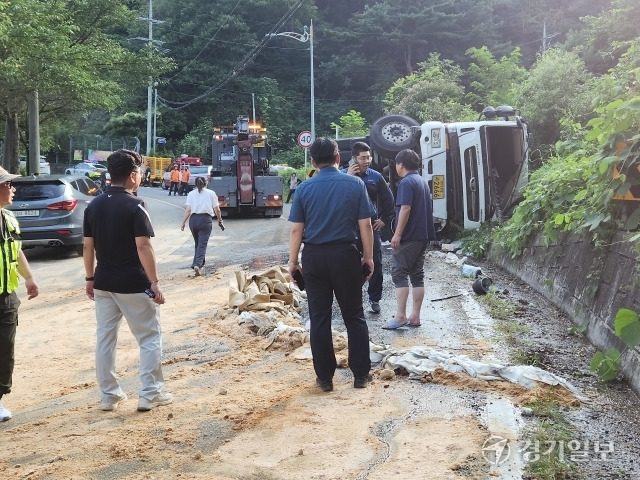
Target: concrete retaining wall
{"points": [[589, 285]]}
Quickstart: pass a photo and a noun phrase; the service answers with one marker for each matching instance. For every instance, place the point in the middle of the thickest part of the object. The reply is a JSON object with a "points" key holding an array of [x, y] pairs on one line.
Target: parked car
{"points": [[195, 170], [50, 209], [283, 168], [91, 170], [45, 168]]}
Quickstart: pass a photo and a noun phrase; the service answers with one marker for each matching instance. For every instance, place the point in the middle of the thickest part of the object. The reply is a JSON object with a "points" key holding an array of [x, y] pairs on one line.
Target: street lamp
{"points": [[306, 35]]}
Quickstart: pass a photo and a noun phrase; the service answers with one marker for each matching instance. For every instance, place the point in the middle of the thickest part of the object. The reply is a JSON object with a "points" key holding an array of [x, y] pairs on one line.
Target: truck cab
{"points": [[477, 171]]}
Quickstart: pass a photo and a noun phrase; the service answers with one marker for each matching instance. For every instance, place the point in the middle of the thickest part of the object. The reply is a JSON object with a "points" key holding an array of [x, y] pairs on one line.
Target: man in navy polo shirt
{"points": [[382, 201], [328, 214], [414, 229], [117, 233]]}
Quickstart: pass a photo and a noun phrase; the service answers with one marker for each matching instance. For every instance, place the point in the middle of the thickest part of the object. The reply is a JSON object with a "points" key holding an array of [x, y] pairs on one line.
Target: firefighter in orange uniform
{"points": [[184, 181], [175, 180]]}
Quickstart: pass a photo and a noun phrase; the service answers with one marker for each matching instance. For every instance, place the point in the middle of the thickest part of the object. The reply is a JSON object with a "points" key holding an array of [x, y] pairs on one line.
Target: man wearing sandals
{"points": [[414, 229]]}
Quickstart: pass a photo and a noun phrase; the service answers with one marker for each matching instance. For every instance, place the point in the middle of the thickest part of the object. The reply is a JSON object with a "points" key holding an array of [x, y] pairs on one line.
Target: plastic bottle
{"points": [[471, 271]]}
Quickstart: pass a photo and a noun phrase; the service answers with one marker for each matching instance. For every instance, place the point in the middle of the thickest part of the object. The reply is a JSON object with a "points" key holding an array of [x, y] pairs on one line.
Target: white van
{"points": [[45, 168]]}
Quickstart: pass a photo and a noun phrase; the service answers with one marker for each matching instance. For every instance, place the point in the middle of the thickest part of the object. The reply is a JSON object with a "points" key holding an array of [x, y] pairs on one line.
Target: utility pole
{"points": [[33, 162], [151, 42], [150, 87], [253, 103], [155, 115], [306, 35]]}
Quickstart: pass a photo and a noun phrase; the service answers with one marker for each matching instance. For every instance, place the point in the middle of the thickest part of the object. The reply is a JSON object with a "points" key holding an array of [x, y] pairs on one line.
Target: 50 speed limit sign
{"points": [[304, 139]]}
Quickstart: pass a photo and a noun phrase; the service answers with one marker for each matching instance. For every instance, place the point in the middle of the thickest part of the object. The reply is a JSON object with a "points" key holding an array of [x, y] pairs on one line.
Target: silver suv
{"points": [[50, 209]]}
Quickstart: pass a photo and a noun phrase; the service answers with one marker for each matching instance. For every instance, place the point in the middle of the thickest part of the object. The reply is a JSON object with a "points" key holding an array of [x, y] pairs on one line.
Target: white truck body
{"points": [[477, 170]]}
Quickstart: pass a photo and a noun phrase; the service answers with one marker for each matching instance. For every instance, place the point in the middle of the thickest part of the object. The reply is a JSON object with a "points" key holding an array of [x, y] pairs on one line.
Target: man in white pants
{"points": [[117, 233]]}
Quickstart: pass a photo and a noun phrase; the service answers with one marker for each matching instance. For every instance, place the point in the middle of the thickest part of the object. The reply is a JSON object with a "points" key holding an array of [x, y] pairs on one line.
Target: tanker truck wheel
{"points": [[391, 134]]}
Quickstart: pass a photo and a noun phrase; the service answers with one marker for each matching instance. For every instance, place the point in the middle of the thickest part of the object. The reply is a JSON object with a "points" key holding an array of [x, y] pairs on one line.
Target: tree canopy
{"points": [[91, 65]]}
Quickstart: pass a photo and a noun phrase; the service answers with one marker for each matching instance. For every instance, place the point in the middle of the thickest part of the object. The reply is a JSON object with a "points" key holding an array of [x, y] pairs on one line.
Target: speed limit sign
{"points": [[304, 139]]}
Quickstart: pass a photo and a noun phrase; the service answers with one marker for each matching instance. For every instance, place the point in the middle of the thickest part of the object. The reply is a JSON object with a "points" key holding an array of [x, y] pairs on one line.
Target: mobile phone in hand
{"points": [[365, 272], [297, 276], [150, 293]]}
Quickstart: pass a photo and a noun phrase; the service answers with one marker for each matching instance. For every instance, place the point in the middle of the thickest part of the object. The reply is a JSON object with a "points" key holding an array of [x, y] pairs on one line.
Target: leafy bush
{"points": [[573, 190], [476, 242]]}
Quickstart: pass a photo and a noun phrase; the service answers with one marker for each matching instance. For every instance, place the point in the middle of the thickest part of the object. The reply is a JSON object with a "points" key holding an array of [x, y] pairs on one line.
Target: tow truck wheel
{"points": [[391, 134]]}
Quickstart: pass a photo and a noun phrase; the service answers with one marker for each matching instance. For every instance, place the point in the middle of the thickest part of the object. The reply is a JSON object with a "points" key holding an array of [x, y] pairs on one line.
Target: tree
{"points": [[493, 82], [557, 89], [610, 34], [227, 66], [433, 92], [351, 125], [404, 32], [67, 52]]}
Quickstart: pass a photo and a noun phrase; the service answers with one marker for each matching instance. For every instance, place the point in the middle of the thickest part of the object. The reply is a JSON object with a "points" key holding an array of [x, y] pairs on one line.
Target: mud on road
{"points": [[244, 411]]}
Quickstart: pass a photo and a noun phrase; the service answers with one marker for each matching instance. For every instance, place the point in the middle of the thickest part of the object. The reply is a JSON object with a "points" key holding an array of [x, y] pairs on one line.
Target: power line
{"points": [[241, 65], [203, 48]]}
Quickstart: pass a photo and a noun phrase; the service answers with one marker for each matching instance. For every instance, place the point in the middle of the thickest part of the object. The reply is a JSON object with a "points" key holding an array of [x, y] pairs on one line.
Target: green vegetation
{"points": [[546, 460], [572, 191], [477, 242], [627, 328], [497, 306], [351, 125]]}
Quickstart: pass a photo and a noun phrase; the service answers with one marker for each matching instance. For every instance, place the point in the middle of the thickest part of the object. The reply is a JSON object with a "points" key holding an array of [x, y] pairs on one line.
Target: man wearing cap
{"points": [[12, 263]]}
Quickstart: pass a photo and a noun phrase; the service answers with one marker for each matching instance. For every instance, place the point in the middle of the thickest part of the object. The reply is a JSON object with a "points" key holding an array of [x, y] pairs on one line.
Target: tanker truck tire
{"points": [[391, 134]]}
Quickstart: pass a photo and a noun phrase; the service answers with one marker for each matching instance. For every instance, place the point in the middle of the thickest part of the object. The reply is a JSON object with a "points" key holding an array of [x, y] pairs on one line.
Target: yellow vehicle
{"points": [[158, 166]]}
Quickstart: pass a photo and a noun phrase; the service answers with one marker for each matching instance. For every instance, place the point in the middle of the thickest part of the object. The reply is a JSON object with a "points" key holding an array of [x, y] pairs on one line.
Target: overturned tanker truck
{"points": [[477, 170]]}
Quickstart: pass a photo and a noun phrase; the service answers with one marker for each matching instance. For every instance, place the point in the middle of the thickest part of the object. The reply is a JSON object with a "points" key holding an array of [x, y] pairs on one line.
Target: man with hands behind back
{"points": [[328, 214]]}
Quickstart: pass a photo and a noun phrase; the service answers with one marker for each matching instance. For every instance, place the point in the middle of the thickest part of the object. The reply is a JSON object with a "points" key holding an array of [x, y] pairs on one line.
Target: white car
{"points": [[45, 168], [91, 170]]}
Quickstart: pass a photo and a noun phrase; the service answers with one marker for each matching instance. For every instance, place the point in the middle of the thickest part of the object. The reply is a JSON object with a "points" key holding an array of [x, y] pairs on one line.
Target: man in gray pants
{"points": [[117, 233]]}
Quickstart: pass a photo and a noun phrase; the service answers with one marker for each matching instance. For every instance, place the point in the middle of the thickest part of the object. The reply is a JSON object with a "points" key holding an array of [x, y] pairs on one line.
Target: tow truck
{"points": [[240, 173]]}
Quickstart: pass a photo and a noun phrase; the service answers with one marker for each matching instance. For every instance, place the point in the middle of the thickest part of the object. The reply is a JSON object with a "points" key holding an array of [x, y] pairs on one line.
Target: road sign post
{"points": [[304, 140]]}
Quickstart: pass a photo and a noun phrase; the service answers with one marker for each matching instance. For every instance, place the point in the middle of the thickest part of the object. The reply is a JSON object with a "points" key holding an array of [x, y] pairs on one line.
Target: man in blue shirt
{"points": [[414, 229], [329, 212], [382, 200]]}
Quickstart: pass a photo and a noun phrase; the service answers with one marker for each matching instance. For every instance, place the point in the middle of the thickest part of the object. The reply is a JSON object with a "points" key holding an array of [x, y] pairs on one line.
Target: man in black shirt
{"points": [[117, 233], [383, 203]]}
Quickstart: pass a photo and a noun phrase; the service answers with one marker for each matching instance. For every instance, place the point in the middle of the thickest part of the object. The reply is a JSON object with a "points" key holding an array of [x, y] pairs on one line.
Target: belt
{"points": [[330, 243]]}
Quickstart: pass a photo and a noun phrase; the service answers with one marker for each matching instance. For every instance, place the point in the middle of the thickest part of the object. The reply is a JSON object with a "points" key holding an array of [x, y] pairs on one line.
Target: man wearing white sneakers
{"points": [[12, 263], [124, 283]]}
